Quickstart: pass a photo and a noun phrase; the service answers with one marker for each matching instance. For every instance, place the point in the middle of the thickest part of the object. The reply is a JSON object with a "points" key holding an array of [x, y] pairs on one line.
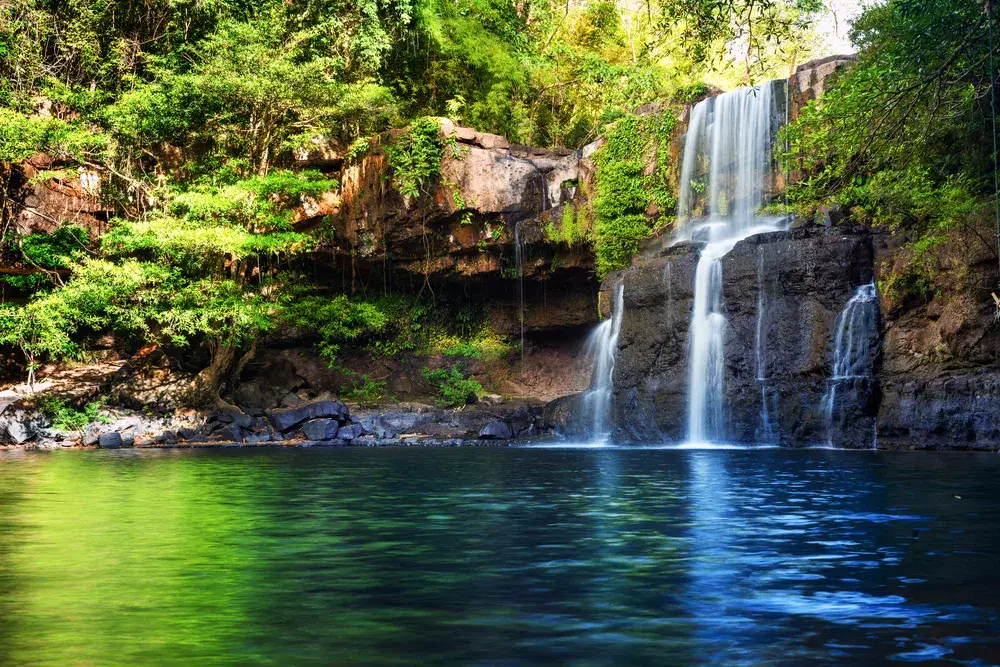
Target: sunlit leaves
{"points": [[22, 136]]}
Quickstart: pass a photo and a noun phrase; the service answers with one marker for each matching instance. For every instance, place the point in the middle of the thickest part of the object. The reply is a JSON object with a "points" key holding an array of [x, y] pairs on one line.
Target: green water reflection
{"points": [[487, 557]]}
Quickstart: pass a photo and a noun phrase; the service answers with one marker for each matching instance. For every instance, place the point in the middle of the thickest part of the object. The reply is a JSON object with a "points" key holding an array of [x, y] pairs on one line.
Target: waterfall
{"points": [[519, 261], [602, 345], [689, 163], [731, 135], [857, 327]]}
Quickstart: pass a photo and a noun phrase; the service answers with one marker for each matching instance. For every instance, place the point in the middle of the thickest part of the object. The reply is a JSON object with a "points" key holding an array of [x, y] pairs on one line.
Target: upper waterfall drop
{"points": [[727, 156]]}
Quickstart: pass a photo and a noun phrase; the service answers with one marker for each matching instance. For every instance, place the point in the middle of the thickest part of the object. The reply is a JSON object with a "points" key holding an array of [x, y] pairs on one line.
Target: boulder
{"points": [[320, 429], [349, 433], [496, 430], [233, 415], [383, 430], [521, 420], [230, 433], [20, 424], [390, 424], [73, 195], [367, 425], [111, 440], [186, 433], [91, 434], [288, 418], [291, 400]]}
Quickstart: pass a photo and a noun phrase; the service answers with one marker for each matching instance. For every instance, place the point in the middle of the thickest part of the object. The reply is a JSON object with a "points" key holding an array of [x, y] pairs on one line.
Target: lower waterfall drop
{"points": [[852, 360], [706, 358], [602, 345]]}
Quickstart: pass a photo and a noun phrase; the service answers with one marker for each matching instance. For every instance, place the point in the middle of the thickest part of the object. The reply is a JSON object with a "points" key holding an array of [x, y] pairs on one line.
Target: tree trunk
{"points": [[206, 385]]}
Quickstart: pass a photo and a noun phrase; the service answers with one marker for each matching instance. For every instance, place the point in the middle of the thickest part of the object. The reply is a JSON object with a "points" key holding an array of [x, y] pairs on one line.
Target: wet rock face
{"points": [[811, 79], [954, 411], [463, 224], [803, 278], [464, 231], [933, 380]]}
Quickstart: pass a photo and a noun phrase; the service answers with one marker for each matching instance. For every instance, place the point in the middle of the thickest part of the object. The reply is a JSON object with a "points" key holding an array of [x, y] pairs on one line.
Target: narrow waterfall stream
{"points": [[706, 356], [857, 327], [519, 261], [732, 134], [602, 345], [767, 431]]}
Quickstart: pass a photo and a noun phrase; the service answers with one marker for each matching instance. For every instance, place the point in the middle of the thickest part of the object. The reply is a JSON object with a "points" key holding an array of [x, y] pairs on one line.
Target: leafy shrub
{"points": [[462, 349], [65, 417], [367, 392], [415, 157], [452, 384], [623, 190], [337, 321], [568, 231], [45, 251], [692, 92], [22, 136]]}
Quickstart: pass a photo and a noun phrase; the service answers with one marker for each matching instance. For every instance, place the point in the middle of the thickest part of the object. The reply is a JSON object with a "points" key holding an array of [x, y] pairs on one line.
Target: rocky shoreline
{"points": [[323, 422]]}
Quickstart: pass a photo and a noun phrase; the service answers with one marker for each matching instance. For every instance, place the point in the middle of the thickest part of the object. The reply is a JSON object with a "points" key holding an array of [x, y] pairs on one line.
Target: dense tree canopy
{"points": [[905, 138]]}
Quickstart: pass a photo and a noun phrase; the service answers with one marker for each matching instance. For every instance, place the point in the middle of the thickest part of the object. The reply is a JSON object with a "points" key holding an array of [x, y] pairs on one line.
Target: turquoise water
{"points": [[498, 557]]}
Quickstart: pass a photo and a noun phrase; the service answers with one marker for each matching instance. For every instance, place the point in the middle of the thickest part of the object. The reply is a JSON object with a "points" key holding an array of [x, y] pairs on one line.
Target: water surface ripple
{"points": [[498, 557]]}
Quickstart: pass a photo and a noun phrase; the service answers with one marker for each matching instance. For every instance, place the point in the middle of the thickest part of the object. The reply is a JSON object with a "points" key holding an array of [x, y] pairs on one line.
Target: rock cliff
{"points": [[935, 379]]}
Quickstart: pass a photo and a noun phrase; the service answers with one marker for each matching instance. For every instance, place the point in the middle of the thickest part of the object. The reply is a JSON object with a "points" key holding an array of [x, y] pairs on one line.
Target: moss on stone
{"points": [[625, 186]]}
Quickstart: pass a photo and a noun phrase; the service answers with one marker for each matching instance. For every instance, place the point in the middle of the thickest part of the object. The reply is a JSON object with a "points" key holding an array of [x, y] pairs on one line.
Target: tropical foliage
{"points": [[905, 138], [190, 112]]}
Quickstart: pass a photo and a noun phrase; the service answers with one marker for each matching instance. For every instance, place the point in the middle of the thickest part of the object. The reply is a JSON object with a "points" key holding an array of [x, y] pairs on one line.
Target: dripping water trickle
{"points": [[670, 295], [767, 431], [519, 261]]}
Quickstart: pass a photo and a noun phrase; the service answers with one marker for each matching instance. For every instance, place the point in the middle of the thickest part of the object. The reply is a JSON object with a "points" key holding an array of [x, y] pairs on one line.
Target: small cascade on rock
{"points": [[602, 345], [519, 261], [767, 432], [732, 135], [857, 328]]}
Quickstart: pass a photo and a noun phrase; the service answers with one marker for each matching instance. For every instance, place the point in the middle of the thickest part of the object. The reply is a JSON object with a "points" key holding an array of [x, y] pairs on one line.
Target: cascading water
{"points": [[602, 345], [857, 327], [732, 134]]}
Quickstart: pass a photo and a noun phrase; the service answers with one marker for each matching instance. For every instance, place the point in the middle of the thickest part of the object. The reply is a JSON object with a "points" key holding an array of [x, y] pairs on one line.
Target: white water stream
{"points": [[731, 136], [602, 345], [852, 359]]}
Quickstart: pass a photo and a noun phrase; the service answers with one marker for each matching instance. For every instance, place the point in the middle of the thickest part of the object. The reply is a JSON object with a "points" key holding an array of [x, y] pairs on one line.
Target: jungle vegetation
{"points": [[906, 139], [187, 108]]}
